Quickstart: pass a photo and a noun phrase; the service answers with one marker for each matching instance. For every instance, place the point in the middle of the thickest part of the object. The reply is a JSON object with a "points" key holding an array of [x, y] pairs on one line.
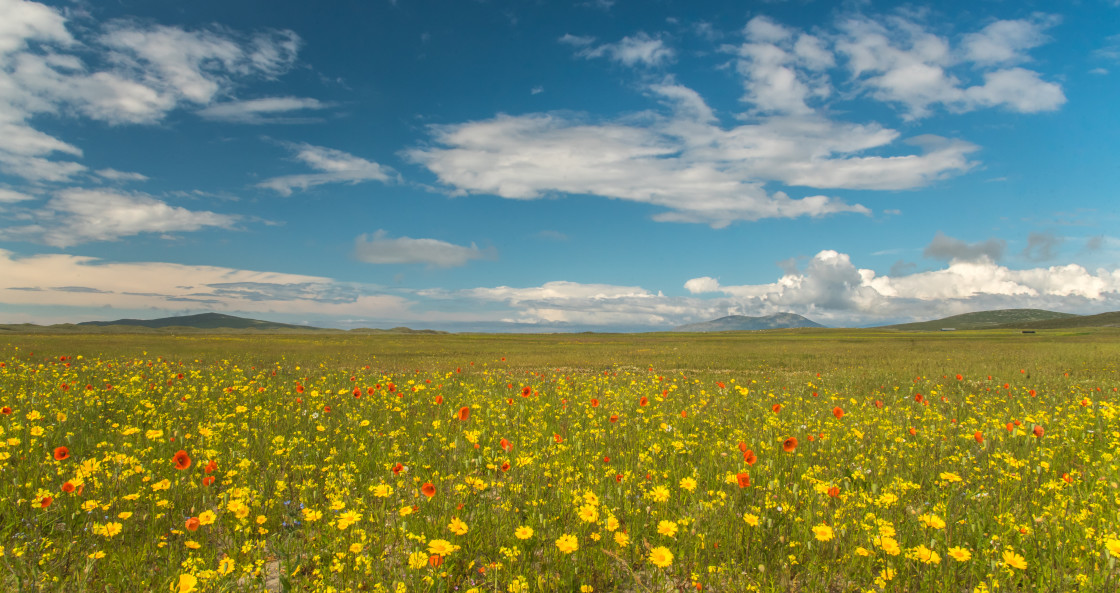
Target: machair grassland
{"points": [[823, 460]]}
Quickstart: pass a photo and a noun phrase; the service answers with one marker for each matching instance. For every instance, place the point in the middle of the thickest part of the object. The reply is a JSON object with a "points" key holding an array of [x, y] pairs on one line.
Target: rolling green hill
{"points": [[201, 321], [1000, 318]]}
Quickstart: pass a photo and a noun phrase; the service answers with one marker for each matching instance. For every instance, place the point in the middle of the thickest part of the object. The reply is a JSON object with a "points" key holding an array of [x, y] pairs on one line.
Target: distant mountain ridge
{"points": [[745, 323], [202, 321], [996, 319]]}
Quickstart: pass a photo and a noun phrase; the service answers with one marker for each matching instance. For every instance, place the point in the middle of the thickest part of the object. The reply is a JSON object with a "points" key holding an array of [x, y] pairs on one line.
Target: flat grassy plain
{"points": [[788, 460]]}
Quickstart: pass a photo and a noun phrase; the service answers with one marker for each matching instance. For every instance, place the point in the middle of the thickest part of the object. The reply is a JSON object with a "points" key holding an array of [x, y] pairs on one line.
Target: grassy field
{"points": [[805, 460]]}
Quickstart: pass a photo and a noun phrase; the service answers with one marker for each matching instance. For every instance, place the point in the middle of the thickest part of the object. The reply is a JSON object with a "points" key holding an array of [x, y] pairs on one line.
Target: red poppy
{"points": [[913, 431], [392, 388], [618, 478], [879, 404], [526, 391], [506, 445], [720, 385], [776, 408], [834, 491], [838, 412], [789, 444], [357, 392], [744, 479], [1084, 403], [917, 397], [594, 403], [181, 459], [606, 459], [210, 467], [428, 489], [1067, 479], [464, 413], [979, 436], [439, 399], [68, 487], [750, 457], [684, 414], [505, 466], [397, 469], [6, 411], [192, 524], [207, 480], [299, 388], [1038, 431], [644, 401], [959, 377], [742, 447], [46, 502], [614, 417], [435, 560], [61, 453], [557, 438]]}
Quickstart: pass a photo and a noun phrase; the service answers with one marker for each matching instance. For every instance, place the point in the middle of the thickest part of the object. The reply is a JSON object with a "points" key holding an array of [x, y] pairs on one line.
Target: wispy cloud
{"points": [[640, 49], [269, 110], [380, 248], [334, 166]]}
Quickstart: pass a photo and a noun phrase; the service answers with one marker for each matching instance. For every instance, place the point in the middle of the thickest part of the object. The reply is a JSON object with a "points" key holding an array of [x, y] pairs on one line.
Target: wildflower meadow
{"points": [[777, 461]]}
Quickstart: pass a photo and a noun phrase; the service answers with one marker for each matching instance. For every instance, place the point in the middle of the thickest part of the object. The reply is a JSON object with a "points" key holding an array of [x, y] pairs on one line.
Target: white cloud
{"points": [[85, 282], [262, 111], [685, 162], [10, 196], [127, 73], [638, 50], [74, 216], [832, 290], [115, 175], [899, 61], [334, 166], [379, 248], [781, 70]]}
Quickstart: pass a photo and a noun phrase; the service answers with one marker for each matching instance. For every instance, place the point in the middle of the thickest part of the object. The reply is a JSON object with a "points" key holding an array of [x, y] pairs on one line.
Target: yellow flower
{"points": [[589, 513], [960, 554], [417, 560], [661, 556], [441, 547], [567, 544], [405, 511], [932, 520], [751, 520], [667, 528], [949, 477], [163, 485], [309, 515], [612, 523], [111, 529], [888, 544], [862, 551], [225, 565], [523, 532], [924, 554], [1113, 546], [207, 518], [1013, 560], [688, 484], [348, 518], [187, 584], [192, 544], [382, 490], [823, 533], [457, 526], [124, 515], [355, 548], [96, 555], [621, 539], [659, 494]]}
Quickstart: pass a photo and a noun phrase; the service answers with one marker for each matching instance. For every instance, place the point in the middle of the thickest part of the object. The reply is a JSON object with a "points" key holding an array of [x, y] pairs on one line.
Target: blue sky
{"points": [[557, 166]]}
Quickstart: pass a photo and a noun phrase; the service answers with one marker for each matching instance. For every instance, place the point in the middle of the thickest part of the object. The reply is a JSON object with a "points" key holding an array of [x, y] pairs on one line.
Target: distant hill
{"points": [[745, 323], [1100, 320], [1000, 318], [201, 321]]}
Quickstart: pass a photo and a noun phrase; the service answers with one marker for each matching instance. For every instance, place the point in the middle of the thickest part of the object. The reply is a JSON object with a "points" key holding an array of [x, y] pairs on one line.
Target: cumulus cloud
{"points": [[832, 290], [75, 215], [640, 49], [380, 248], [334, 166], [948, 248]]}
